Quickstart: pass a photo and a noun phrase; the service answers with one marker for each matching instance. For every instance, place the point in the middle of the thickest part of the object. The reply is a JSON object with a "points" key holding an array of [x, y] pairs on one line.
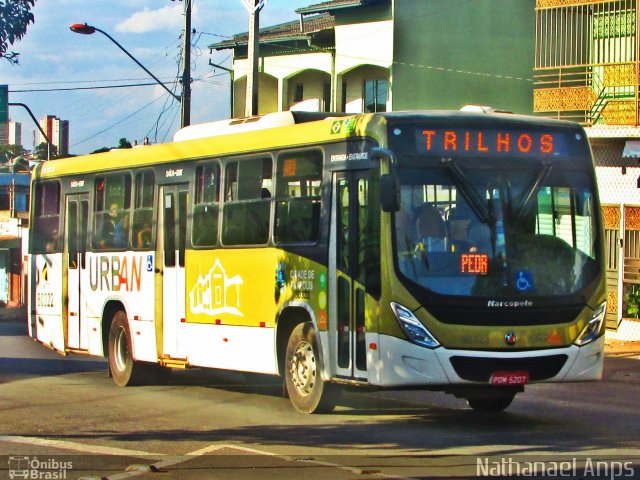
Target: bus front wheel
{"points": [[308, 392], [124, 370]]}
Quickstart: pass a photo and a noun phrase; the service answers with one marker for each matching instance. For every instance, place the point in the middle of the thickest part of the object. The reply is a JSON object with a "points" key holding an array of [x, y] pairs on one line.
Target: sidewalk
{"points": [[621, 348]]}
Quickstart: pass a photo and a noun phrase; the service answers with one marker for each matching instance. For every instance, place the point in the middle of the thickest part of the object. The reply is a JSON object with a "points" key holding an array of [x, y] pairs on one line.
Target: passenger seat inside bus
{"points": [[431, 228], [429, 223]]}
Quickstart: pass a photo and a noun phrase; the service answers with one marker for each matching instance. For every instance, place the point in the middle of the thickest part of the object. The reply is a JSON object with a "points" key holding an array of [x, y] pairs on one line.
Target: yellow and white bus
{"points": [[453, 251]]}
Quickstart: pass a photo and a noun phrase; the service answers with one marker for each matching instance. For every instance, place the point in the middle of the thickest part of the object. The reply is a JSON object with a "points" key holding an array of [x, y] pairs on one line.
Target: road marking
{"points": [[287, 458], [78, 447], [214, 448], [172, 460]]}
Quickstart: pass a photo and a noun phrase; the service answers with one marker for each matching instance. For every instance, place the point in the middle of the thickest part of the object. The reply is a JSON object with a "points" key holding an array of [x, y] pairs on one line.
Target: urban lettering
{"points": [[114, 273]]}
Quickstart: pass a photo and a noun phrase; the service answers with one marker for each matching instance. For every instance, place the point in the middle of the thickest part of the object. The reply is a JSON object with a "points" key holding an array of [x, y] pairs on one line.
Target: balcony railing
{"points": [[586, 61]]}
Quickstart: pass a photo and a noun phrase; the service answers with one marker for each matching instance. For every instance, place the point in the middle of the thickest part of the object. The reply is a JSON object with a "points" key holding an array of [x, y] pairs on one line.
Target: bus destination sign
{"points": [[500, 143]]}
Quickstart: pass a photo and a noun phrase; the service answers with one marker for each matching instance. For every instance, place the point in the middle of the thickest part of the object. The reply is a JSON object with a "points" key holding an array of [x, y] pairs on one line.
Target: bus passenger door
{"points": [[346, 273], [75, 256], [172, 235]]}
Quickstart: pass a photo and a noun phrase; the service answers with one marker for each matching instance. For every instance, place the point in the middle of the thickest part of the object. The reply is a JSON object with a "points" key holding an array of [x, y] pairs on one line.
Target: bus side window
{"points": [[247, 205], [298, 188], [205, 214], [112, 212], [142, 228], [46, 220]]}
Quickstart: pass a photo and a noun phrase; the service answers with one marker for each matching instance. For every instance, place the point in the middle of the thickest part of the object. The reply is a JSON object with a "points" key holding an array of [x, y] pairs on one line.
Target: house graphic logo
{"points": [[215, 293]]}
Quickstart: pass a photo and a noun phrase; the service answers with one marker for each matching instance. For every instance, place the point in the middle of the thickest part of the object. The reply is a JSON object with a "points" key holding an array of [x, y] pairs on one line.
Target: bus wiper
{"points": [[477, 204], [529, 194]]}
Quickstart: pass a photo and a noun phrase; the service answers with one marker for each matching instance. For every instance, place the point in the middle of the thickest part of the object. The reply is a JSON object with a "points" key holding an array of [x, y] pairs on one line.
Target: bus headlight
{"points": [[593, 328], [413, 328]]}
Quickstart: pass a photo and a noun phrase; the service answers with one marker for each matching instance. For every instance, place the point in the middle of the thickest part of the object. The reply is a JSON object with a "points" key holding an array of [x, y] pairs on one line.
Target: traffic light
{"points": [[4, 100]]}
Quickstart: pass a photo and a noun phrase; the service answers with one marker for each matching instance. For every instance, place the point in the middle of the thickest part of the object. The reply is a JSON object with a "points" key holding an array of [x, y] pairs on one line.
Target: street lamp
{"points": [[84, 29]]}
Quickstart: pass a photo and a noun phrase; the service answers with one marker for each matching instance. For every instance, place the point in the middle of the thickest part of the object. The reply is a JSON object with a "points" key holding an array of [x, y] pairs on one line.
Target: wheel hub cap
{"points": [[303, 369]]}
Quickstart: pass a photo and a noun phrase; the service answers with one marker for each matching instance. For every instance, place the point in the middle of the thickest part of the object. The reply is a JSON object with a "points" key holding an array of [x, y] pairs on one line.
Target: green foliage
{"points": [[15, 16], [124, 143], [632, 302], [9, 152], [40, 151]]}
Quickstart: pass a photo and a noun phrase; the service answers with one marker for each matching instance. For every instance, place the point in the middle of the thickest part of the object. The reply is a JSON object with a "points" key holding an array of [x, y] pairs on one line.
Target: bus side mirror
{"points": [[389, 192], [389, 184]]}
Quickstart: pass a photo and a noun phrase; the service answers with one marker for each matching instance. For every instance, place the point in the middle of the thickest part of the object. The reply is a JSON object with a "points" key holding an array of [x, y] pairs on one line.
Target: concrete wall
{"points": [[449, 54]]}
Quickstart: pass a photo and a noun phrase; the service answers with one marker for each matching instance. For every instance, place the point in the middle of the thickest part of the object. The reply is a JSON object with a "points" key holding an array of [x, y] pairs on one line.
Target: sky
{"points": [[68, 67]]}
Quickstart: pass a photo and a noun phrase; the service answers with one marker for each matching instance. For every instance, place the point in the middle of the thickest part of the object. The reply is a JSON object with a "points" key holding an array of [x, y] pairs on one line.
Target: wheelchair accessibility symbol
{"points": [[524, 280]]}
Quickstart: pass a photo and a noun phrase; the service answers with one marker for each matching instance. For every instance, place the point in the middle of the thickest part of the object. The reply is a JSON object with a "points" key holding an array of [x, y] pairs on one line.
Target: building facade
{"points": [[58, 132], [586, 70], [14, 134], [14, 218], [358, 56]]}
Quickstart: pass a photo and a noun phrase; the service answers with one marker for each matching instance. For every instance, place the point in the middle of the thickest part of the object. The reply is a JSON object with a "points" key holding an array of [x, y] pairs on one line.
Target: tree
{"points": [[15, 16], [41, 151], [124, 143], [9, 152]]}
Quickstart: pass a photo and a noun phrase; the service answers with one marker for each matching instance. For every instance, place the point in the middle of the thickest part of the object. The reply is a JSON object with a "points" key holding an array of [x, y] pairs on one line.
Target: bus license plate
{"points": [[510, 378]]}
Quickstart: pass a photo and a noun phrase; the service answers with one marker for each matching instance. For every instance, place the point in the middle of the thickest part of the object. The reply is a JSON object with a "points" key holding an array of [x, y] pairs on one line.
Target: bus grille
{"points": [[482, 316], [480, 369]]}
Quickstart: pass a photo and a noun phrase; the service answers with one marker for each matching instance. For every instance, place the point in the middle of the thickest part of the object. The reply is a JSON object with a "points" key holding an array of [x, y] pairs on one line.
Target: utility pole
{"points": [[253, 55], [185, 99]]}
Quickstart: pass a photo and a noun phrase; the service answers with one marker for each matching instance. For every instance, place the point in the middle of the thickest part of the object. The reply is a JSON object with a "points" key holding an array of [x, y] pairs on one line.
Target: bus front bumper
{"points": [[402, 364]]}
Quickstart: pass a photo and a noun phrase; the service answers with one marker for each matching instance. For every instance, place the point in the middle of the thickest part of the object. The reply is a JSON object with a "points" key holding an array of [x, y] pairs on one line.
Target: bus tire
{"points": [[490, 404], [125, 371], [308, 392]]}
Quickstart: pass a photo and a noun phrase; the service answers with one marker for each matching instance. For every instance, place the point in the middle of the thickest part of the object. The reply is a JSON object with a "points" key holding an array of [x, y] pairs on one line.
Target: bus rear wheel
{"points": [[125, 371], [308, 392]]}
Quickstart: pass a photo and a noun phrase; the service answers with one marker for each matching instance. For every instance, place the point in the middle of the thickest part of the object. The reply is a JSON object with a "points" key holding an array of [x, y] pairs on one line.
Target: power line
{"points": [[96, 87], [118, 122], [214, 35], [62, 82]]}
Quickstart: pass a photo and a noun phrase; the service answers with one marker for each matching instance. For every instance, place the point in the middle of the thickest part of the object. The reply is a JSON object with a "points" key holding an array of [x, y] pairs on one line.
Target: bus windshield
{"points": [[486, 227]]}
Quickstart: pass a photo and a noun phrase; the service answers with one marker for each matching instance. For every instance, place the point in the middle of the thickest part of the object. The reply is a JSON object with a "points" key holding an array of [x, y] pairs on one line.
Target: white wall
{"points": [[364, 44], [616, 188]]}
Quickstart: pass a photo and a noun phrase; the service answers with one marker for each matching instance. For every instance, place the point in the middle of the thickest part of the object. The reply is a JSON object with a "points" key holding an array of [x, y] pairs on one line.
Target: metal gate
{"points": [[611, 216], [631, 272]]}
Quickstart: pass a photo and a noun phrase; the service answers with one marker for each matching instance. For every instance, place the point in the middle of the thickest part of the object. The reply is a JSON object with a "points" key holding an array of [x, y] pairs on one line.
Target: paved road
{"points": [[211, 424]]}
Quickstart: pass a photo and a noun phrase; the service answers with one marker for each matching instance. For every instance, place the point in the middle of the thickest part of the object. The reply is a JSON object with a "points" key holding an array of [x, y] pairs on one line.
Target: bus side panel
{"points": [[127, 278], [233, 298], [230, 347], [46, 285], [231, 309]]}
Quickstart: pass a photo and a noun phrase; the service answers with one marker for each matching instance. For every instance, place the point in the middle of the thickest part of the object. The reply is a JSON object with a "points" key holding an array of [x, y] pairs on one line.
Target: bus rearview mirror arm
{"points": [[389, 184]]}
